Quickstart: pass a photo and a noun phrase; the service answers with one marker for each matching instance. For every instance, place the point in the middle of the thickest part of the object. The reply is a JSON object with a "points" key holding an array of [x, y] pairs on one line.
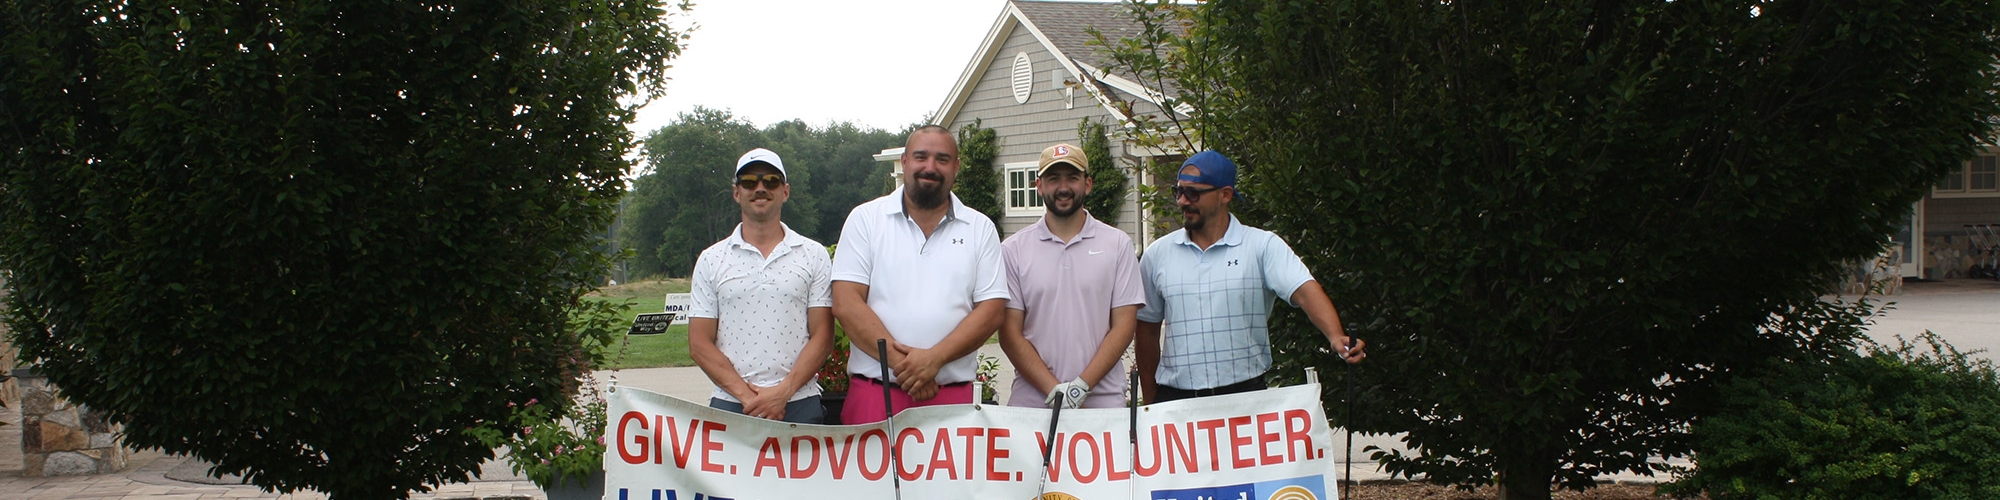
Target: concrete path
{"points": [[1965, 312]]}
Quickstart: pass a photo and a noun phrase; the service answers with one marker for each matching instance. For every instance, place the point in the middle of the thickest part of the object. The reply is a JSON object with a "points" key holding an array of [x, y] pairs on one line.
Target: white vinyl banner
{"points": [[1264, 445]]}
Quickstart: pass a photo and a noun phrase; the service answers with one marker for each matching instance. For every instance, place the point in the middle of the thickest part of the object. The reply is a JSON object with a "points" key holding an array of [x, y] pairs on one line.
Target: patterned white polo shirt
{"points": [[759, 304]]}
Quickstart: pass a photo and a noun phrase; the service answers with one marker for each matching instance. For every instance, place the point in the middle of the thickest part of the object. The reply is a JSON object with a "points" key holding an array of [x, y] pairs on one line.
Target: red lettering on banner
{"points": [[968, 433], [1111, 472], [643, 444], [909, 475], [802, 472], [875, 475], [941, 456], [1214, 448], [682, 448], [1055, 458], [1157, 459], [709, 445], [1186, 448], [1266, 439], [771, 454], [1236, 443], [994, 452], [659, 447], [839, 462], [1084, 438], [1298, 434]]}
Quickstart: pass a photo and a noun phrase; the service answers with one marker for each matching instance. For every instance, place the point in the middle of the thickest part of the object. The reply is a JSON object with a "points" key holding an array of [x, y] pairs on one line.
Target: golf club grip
{"points": [[889, 407], [1054, 416]]}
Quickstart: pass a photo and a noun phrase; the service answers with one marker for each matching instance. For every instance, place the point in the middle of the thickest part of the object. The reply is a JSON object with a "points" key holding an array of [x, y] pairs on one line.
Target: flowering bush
{"points": [[833, 374], [563, 441], [558, 442], [989, 369]]}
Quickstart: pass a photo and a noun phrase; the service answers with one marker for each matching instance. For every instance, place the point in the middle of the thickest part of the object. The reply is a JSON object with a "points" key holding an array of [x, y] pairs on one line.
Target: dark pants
{"points": [[1169, 393], [804, 411]]}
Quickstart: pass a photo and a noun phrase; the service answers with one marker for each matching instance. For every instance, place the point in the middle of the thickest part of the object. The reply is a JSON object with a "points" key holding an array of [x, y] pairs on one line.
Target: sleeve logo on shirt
{"points": [[958, 241], [1233, 262]]}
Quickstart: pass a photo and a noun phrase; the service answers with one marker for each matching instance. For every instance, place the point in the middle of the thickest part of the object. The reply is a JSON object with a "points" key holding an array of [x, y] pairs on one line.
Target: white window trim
{"points": [[1965, 179], [1033, 205]]}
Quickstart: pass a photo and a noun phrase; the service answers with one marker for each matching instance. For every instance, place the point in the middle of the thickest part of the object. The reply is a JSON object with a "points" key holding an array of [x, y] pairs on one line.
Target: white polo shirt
{"points": [[921, 287], [759, 304], [1216, 303]]}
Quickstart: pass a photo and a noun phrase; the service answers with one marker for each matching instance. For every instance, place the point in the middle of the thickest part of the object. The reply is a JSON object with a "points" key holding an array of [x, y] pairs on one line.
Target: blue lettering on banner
{"points": [[1299, 488], [626, 494]]}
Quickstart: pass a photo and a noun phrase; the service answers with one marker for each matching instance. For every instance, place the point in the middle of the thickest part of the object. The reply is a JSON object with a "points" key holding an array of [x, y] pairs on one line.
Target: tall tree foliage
{"points": [[978, 184], [313, 242], [682, 204], [1107, 178], [1561, 225]]}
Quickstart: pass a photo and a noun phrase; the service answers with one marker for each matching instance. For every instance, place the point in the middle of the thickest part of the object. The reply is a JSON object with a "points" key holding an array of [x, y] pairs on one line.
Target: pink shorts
{"points": [[864, 400]]}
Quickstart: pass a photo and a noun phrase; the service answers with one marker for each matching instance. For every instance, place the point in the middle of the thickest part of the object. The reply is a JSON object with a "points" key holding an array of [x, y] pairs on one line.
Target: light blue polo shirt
{"points": [[1215, 305]]}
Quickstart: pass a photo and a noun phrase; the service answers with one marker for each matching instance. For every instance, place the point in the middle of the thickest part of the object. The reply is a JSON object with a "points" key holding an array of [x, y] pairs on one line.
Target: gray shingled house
{"points": [[1033, 79]]}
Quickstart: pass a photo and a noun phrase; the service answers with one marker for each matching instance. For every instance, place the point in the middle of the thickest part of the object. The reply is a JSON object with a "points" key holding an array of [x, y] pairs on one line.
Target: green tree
{"points": [[1107, 193], [1563, 225], [978, 184], [683, 205], [313, 242]]}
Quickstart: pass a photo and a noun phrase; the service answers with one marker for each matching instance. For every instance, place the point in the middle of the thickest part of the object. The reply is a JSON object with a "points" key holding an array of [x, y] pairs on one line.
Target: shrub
{"points": [[1891, 423]]}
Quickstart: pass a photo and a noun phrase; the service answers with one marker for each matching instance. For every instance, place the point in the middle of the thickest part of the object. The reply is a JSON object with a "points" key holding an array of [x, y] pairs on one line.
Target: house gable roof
{"points": [[1062, 28]]}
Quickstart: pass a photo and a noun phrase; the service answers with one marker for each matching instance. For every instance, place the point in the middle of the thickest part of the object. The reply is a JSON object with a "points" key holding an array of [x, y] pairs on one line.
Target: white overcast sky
{"points": [[877, 63]]}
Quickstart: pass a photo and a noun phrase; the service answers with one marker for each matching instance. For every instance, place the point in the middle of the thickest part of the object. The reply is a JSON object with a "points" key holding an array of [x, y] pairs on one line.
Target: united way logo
{"points": [[1298, 488]]}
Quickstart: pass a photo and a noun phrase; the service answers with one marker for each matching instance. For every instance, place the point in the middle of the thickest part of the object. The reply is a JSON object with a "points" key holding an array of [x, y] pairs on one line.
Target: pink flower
{"points": [[532, 401], [527, 430]]}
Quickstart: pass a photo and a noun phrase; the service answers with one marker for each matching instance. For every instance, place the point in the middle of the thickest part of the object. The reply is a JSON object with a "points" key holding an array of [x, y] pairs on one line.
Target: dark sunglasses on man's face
{"points": [[1193, 194], [749, 181]]}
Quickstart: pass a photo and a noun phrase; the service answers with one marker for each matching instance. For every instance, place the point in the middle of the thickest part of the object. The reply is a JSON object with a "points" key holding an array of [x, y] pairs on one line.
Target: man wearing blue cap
{"points": [[1212, 284]]}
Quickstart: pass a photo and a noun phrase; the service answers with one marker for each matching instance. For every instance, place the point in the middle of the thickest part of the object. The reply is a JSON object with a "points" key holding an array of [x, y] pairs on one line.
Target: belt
{"points": [[878, 381], [1253, 384]]}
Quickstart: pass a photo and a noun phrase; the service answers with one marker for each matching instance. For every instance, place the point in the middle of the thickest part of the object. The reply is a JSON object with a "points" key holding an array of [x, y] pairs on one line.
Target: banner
{"points": [[1264, 445]]}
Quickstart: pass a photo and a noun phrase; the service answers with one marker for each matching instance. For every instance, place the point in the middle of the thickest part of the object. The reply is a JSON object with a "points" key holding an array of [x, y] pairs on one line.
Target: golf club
{"points": [[889, 410], [1048, 448]]}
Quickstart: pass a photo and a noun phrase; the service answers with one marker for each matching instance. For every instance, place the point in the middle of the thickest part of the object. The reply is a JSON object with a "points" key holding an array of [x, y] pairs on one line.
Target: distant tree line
{"points": [[681, 203]]}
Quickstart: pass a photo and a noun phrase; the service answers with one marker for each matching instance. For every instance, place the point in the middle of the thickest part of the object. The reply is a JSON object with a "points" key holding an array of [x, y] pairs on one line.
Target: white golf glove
{"points": [[1073, 393]]}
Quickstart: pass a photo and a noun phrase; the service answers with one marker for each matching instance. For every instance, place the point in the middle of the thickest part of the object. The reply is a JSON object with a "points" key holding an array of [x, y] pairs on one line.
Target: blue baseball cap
{"points": [[1216, 170]]}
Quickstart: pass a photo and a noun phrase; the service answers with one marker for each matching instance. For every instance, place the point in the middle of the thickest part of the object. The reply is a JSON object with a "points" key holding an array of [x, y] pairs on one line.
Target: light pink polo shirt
{"points": [[1068, 291]]}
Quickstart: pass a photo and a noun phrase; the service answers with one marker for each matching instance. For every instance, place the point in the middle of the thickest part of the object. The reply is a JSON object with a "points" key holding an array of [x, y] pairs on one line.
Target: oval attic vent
{"points": [[1024, 77]]}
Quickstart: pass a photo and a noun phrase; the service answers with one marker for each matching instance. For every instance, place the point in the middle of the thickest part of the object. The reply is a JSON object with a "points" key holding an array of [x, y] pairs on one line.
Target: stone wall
{"points": [[1951, 256], [63, 439], [1880, 276]]}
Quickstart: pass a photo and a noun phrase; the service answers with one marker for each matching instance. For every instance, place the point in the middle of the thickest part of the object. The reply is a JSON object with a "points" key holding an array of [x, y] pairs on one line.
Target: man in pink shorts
{"points": [[921, 270]]}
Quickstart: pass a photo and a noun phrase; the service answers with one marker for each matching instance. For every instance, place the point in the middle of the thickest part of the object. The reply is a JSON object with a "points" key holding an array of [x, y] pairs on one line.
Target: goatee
{"points": [[929, 198]]}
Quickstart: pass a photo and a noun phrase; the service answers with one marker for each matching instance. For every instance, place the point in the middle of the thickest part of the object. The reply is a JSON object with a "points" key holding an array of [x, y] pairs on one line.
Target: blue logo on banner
{"points": [[1298, 488]]}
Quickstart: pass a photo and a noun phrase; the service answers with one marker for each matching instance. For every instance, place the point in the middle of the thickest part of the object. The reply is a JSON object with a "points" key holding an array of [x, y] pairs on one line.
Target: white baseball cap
{"points": [[759, 155]]}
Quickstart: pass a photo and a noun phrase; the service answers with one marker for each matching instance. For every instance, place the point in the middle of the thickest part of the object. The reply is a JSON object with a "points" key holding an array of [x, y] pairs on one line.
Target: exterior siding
{"points": [[1024, 129]]}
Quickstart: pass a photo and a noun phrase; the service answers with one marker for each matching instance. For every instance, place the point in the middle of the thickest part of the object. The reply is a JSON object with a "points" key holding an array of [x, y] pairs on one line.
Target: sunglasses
{"points": [[749, 181], [1193, 194]]}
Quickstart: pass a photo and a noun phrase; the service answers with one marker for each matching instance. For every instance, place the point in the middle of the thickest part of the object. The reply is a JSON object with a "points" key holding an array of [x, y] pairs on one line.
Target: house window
{"points": [[1977, 177], [1021, 196]]}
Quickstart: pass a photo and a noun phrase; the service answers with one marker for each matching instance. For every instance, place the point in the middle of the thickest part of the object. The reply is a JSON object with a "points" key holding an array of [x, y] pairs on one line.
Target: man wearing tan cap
{"points": [[1076, 295]]}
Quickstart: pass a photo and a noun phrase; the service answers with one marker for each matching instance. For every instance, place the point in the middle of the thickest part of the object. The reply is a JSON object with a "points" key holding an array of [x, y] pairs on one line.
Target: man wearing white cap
{"points": [[761, 321], [1076, 295]]}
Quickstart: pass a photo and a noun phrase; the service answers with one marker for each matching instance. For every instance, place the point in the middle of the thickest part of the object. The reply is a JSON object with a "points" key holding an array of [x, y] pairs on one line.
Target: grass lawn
{"points": [[648, 351]]}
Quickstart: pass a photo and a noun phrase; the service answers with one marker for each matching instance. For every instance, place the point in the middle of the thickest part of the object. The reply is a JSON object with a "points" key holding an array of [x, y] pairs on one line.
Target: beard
{"points": [[929, 197], [1056, 209], [1192, 219]]}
